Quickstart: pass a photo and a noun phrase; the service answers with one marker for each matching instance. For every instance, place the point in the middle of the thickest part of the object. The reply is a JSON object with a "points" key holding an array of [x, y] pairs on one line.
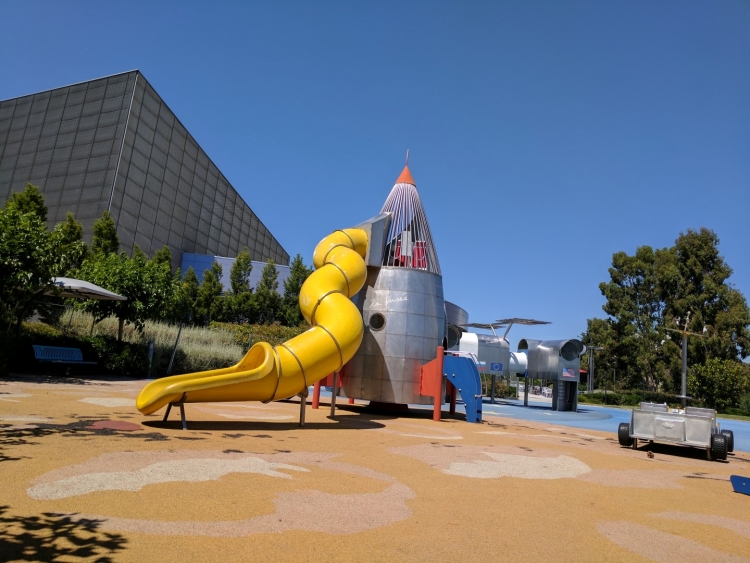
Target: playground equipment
{"points": [[401, 303], [692, 427], [389, 269], [268, 373], [558, 361]]}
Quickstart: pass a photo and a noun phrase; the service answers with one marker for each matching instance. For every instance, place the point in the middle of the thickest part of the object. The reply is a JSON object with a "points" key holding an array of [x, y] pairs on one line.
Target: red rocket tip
{"points": [[405, 177]]}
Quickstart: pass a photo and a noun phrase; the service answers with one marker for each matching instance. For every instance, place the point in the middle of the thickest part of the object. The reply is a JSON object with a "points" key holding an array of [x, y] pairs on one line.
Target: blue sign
{"points": [[496, 367]]}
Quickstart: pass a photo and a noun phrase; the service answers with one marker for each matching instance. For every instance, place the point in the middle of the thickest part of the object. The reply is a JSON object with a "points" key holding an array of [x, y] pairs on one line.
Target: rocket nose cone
{"points": [[406, 177]]}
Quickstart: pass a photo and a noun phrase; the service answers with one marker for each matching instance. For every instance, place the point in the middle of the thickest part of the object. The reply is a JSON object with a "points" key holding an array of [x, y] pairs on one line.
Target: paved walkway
{"points": [[86, 477], [590, 417]]}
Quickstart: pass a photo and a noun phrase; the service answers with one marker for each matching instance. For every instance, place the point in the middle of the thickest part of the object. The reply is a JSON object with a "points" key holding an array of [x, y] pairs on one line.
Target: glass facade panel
{"points": [[72, 142]]}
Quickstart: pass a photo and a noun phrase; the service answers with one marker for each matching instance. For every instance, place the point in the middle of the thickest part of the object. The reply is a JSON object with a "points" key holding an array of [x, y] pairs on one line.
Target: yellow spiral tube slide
{"points": [[267, 373]]}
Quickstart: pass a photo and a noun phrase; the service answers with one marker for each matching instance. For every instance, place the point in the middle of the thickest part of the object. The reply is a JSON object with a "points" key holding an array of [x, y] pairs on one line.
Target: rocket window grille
{"points": [[409, 242]]}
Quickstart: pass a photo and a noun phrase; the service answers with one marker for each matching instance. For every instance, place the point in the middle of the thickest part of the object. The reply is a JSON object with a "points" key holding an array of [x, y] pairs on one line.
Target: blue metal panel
{"points": [[463, 374]]}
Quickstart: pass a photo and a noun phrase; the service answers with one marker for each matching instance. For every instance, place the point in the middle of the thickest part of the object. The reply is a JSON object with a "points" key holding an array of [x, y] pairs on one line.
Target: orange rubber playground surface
{"points": [[86, 477]]}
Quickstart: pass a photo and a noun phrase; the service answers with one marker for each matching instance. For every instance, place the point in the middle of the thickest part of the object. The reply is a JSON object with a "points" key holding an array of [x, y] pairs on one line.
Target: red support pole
{"points": [[316, 395], [437, 376]]}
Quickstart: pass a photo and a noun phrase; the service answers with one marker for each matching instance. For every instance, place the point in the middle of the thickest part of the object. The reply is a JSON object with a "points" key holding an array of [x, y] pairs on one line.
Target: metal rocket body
{"points": [[402, 303]]}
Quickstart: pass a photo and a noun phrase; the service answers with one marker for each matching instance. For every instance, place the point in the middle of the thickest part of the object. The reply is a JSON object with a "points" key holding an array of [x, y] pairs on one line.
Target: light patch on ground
{"points": [[431, 436], [520, 466], [39, 419], [13, 397], [432, 433], [163, 472], [737, 526], [313, 511], [661, 546], [305, 510], [235, 416], [504, 461], [635, 478], [109, 401]]}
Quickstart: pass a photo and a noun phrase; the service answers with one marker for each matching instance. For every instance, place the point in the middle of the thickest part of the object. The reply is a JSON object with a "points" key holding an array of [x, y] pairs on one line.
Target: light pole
{"points": [[683, 395], [590, 382]]}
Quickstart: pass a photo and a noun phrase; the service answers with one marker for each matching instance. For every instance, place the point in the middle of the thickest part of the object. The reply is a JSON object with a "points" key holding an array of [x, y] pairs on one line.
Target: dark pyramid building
{"points": [[113, 144]]}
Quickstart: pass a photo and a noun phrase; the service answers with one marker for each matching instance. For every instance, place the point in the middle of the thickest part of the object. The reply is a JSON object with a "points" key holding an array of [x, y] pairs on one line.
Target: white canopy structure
{"points": [[80, 289]]}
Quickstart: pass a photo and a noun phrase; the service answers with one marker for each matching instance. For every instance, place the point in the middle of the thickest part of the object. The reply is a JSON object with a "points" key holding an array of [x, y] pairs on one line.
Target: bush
{"points": [[274, 334], [745, 402], [121, 358], [719, 384], [502, 389], [627, 398]]}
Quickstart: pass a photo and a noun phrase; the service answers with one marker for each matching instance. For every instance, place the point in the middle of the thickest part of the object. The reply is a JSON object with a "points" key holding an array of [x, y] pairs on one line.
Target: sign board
{"points": [[496, 367]]}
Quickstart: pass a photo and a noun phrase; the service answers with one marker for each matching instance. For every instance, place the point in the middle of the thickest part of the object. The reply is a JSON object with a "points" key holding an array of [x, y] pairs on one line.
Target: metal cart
{"points": [[692, 427]]}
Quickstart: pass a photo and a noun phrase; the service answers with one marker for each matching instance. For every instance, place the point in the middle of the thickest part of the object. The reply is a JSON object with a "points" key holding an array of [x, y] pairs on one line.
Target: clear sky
{"points": [[544, 136]]}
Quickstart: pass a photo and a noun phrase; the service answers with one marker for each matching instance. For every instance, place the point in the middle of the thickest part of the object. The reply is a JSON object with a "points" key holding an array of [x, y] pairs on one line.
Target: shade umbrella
{"points": [[79, 289]]}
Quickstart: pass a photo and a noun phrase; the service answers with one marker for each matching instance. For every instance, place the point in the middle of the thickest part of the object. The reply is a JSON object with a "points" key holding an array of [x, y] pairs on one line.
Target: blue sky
{"points": [[544, 136]]}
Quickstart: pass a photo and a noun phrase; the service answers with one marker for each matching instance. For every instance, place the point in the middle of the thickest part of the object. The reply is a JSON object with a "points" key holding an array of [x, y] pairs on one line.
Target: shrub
{"points": [[246, 335], [627, 398], [502, 389], [121, 358], [718, 383]]}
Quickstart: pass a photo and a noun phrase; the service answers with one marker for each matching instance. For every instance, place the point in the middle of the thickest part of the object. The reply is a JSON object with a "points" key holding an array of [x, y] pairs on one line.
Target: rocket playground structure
{"points": [[381, 331]]}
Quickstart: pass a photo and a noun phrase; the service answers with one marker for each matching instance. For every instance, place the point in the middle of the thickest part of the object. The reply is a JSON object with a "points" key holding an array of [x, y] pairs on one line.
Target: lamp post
{"points": [[590, 382], [684, 332]]}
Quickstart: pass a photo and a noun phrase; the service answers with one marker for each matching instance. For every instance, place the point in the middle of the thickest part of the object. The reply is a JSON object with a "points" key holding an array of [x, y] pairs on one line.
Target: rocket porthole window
{"points": [[377, 321]]}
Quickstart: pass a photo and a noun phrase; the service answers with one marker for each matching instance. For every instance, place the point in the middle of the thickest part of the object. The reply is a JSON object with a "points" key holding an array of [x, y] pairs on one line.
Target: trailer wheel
{"points": [[719, 447], [623, 435], [730, 440]]}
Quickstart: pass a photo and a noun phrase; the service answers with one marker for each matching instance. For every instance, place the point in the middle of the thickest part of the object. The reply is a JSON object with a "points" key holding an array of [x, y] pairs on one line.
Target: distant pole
{"points": [[590, 383], [150, 352], [684, 369], [174, 350]]}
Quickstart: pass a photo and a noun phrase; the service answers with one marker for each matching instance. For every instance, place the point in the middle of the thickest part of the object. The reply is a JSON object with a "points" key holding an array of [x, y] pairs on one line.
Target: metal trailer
{"points": [[692, 427]]}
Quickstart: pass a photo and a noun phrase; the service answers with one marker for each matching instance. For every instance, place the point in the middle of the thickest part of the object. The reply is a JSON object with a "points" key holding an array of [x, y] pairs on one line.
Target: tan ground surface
{"points": [[86, 477]]}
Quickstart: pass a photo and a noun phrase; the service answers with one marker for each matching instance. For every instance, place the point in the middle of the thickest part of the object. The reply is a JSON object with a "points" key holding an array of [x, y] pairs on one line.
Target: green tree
{"points": [[290, 310], [239, 275], [693, 284], [654, 290], [30, 200], [719, 384], [163, 256], [146, 284], [600, 332], [105, 239], [183, 305], [29, 256], [208, 303], [239, 305], [267, 297], [70, 236]]}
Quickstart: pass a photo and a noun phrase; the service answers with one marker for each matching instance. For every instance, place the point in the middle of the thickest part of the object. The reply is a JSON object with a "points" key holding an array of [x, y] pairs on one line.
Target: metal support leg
{"points": [[166, 414], [334, 390], [302, 405], [182, 416], [492, 392], [316, 395], [525, 391]]}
